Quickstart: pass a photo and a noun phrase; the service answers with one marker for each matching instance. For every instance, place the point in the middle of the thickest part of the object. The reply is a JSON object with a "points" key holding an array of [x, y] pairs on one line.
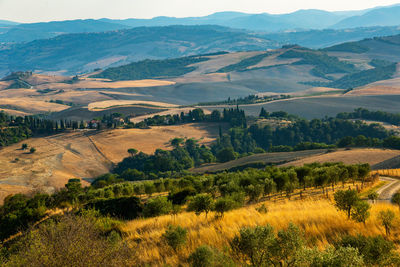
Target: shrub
{"points": [[175, 236], [69, 241], [157, 206], [126, 208], [375, 250], [223, 205], [204, 256], [180, 197]]}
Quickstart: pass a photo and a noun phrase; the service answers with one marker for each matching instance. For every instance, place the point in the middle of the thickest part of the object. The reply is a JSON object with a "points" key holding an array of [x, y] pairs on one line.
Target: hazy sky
{"points": [[46, 10]]}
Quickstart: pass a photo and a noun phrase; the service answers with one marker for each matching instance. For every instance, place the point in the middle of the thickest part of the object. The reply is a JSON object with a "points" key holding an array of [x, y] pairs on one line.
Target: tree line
{"points": [[201, 193]]}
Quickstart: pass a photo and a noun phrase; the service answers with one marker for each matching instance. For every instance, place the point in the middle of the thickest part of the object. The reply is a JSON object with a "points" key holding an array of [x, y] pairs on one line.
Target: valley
{"points": [[238, 138]]}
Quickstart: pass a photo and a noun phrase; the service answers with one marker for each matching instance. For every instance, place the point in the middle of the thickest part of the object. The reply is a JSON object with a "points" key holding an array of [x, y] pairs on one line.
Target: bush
{"points": [[204, 256], [223, 205], [157, 206], [180, 197], [375, 250], [126, 208], [175, 236], [69, 241]]}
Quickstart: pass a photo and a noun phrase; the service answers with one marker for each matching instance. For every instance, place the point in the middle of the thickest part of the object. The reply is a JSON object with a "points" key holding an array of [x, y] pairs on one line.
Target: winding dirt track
{"points": [[388, 190]]}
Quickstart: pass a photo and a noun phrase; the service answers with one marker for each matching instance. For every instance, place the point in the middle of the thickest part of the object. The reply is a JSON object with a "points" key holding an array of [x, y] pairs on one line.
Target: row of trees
{"points": [[234, 116], [361, 113], [220, 192]]}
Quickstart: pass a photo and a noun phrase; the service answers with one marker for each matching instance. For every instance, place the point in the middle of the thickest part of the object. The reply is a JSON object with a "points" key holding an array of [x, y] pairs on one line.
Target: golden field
{"points": [[388, 172], [319, 220], [84, 154]]}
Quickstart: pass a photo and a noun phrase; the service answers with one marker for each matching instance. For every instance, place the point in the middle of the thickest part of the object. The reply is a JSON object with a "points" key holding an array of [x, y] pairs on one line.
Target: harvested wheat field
{"points": [[93, 83], [385, 87], [358, 155], [321, 222], [83, 154], [114, 103], [31, 105]]}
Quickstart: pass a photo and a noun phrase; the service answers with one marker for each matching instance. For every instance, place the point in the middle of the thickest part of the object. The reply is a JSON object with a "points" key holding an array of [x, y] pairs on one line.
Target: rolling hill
{"points": [[72, 53], [329, 37], [34, 31], [384, 16], [305, 19]]}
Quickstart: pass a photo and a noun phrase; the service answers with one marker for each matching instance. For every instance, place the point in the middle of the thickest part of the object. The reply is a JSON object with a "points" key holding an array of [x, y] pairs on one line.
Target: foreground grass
{"points": [[319, 219]]}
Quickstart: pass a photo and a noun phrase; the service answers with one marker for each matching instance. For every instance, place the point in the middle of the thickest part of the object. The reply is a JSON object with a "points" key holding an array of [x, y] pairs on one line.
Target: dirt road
{"points": [[388, 190]]}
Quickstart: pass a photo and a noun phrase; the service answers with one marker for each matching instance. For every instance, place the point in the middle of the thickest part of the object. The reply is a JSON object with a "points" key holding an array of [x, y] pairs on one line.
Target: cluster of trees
{"points": [[245, 63], [323, 63], [365, 114], [234, 116], [185, 154], [364, 77], [251, 99], [148, 69], [15, 129], [302, 134]]}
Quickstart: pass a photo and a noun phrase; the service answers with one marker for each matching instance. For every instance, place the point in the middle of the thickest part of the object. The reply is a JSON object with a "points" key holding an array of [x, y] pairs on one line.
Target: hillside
{"points": [[28, 32], [83, 154], [73, 53], [361, 68], [302, 19], [385, 16], [329, 37]]}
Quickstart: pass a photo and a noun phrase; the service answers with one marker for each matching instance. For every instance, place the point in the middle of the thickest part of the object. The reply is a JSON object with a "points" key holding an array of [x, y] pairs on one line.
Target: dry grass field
{"points": [[388, 172], [358, 155], [385, 87], [113, 103], [83, 154], [114, 144], [30, 106], [321, 222], [95, 83]]}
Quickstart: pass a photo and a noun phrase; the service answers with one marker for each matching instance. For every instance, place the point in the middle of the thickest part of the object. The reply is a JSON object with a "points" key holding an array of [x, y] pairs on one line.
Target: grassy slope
{"points": [[266, 158], [320, 221]]}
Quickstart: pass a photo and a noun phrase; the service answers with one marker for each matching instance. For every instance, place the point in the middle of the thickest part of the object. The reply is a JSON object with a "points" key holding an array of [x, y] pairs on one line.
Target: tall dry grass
{"points": [[388, 172], [319, 219]]}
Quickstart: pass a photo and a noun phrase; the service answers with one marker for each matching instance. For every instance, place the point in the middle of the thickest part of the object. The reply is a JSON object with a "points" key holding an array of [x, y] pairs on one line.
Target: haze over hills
{"points": [[34, 31], [385, 16], [300, 20], [75, 53]]}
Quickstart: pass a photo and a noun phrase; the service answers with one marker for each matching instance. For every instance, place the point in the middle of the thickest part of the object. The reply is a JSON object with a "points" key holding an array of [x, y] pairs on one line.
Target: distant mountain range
{"points": [[35, 31], [385, 16], [269, 23]]}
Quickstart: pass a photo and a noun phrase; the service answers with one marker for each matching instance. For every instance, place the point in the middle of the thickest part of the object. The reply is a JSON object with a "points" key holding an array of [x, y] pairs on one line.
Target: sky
{"points": [[48, 10]]}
